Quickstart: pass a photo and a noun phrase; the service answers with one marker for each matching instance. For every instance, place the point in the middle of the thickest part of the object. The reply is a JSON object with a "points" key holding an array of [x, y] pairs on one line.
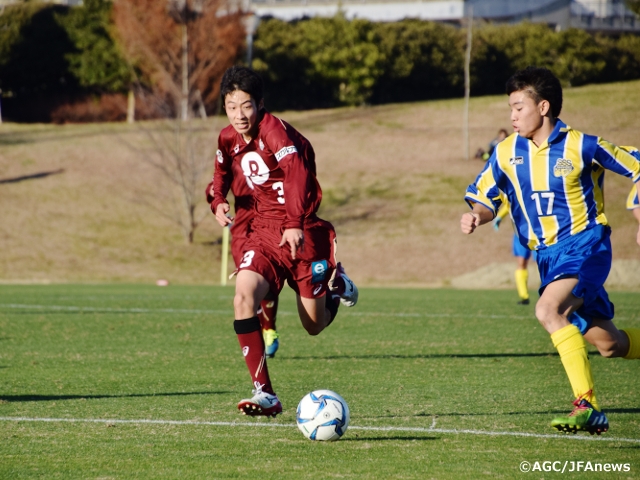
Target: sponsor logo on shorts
{"points": [[563, 167], [220, 157], [317, 290], [318, 271], [285, 151], [245, 351], [516, 160]]}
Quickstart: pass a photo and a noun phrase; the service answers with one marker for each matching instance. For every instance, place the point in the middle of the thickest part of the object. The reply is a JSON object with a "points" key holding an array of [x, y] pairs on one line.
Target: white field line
{"points": [[73, 308], [431, 429]]}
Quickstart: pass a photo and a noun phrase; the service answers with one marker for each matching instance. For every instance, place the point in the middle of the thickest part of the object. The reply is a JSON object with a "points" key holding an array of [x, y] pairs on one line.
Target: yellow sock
{"points": [[522, 277], [573, 355], [634, 342]]}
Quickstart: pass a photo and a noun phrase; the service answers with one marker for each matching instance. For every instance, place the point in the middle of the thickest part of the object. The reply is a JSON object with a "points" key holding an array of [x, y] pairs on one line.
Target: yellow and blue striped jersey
{"points": [[632, 200], [555, 190]]}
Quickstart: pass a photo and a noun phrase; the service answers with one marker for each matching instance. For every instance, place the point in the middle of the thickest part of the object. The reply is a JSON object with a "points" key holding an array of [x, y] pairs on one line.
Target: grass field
{"points": [[131, 381]]}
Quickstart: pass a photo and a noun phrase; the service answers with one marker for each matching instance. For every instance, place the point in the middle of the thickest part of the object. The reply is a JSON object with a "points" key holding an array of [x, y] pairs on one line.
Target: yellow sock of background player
{"points": [[573, 355], [634, 342], [522, 277]]}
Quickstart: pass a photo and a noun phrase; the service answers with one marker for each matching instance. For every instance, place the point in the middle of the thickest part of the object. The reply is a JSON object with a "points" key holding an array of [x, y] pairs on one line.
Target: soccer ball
{"points": [[322, 415]]}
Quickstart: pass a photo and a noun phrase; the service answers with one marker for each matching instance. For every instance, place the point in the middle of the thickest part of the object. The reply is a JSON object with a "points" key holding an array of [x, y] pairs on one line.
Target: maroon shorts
{"points": [[308, 274]]}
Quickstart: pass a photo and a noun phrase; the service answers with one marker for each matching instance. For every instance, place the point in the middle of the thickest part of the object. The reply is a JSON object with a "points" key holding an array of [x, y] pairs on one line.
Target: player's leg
{"points": [[553, 310], [611, 342], [522, 279], [522, 255], [251, 288], [317, 313], [267, 314]]}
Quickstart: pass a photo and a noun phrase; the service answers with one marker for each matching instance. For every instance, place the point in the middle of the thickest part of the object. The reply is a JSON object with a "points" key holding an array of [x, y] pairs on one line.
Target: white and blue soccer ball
{"points": [[322, 415]]}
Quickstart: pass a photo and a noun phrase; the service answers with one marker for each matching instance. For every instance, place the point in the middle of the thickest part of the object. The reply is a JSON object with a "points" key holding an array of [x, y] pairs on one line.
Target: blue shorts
{"points": [[519, 250], [586, 256]]}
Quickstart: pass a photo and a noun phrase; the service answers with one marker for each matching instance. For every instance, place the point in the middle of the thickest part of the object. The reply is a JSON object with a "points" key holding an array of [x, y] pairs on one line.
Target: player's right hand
{"points": [[209, 192], [221, 215], [469, 222]]}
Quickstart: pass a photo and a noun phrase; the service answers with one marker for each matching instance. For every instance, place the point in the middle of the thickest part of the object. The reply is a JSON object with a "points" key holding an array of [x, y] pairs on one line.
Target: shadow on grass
{"points": [[427, 355], [53, 398], [498, 414], [33, 176], [376, 438]]}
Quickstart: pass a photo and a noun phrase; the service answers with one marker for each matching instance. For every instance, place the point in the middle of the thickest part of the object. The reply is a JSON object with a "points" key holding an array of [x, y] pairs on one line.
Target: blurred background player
{"points": [[552, 176], [481, 154], [522, 254], [240, 228], [287, 241], [633, 202]]}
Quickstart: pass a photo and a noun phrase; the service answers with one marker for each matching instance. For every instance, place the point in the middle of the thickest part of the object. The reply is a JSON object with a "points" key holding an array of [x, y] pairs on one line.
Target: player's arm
{"points": [[479, 215], [484, 197], [296, 186], [222, 179], [618, 159]]}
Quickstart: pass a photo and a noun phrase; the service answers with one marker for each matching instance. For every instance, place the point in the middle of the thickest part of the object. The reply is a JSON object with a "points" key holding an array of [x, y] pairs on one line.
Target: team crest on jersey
{"points": [[516, 160], [254, 168], [563, 167], [219, 156], [236, 149], [261, 143], [318, 271]]}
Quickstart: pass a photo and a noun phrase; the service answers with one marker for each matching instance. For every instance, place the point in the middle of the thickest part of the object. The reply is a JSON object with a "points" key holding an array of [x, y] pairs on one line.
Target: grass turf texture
{"points": [[403, 359]]}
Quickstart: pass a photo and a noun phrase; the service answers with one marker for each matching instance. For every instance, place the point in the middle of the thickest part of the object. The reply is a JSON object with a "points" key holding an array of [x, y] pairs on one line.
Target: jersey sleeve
{"points": [[633, 201], [485, 190], [617, 159], [297, 183], [223, 175]]}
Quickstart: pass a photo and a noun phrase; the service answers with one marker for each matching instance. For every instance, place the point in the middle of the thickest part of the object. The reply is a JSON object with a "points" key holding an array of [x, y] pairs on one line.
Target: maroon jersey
{"points": [[280, 165]]}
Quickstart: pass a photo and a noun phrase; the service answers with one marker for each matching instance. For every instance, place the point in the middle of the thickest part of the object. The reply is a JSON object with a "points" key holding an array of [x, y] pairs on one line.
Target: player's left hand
{"points": [[295, 238]]}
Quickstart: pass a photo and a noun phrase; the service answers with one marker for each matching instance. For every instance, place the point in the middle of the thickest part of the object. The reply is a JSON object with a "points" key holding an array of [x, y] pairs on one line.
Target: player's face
{"points": [[242, 113], [526, 116]]}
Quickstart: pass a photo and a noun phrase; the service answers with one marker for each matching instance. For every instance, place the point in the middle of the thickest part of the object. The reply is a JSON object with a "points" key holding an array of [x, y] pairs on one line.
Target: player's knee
{"points": [[545, 313], [243, 305], [313, 329], [612, 348]]}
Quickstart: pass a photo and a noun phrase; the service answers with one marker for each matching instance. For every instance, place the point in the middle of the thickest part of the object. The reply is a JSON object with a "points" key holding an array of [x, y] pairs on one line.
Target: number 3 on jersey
{"points": [[247, 258], [279, 187]]}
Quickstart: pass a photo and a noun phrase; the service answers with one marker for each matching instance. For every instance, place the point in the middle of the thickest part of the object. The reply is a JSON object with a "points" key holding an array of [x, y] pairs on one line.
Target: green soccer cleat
{"points": [[271, 342], [584, 417]]}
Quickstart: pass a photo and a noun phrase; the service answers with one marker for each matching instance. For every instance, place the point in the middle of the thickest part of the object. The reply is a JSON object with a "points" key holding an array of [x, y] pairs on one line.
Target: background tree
{"points": [[96, 62], [180, 49], [633, 5], [33, 69], [152, 34]]}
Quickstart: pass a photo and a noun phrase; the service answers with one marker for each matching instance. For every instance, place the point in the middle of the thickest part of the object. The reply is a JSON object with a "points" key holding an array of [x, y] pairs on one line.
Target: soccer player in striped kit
{"points": [[633, 200], [288, 242], [552, 175]]}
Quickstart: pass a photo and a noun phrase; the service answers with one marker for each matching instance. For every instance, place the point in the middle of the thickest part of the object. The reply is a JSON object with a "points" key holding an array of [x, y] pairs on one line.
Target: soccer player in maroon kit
{"points": [[240, 228], [287, 242]]}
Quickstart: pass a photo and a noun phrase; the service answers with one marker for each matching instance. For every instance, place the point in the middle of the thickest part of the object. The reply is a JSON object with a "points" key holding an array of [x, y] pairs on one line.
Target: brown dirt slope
{"points": [[393, 179]]}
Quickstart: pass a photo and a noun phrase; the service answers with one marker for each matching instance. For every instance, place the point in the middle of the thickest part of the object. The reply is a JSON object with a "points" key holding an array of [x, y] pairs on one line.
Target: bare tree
{"points": [[180, 49]]}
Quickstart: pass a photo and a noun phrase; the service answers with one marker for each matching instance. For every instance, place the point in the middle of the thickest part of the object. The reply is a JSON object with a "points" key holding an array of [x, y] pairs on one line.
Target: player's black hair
{"points": [[541, 84], [244, 79]]}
